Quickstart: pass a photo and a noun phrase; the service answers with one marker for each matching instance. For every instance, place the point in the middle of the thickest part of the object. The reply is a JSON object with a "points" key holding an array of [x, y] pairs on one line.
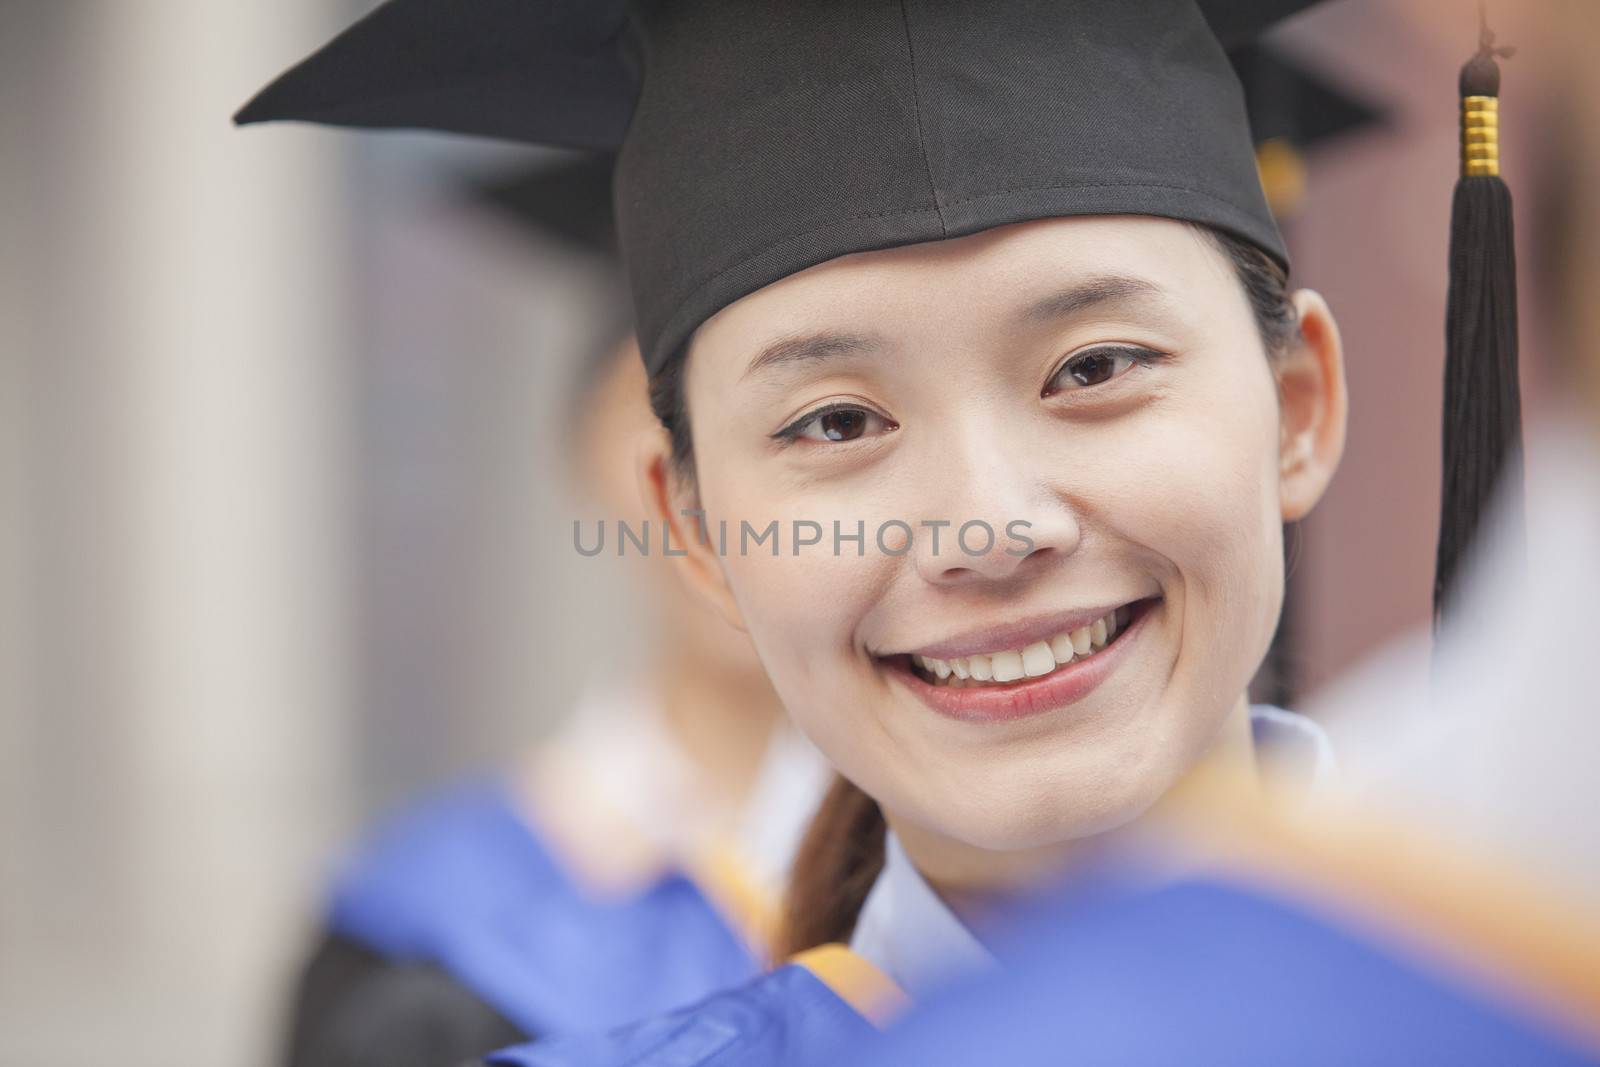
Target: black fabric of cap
{"points": [[756, 141], [535, 71]]}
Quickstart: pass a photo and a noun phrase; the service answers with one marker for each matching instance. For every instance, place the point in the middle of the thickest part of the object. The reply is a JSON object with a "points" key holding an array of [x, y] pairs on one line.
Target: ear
{"points": [[672, 503], [1313, 407]]}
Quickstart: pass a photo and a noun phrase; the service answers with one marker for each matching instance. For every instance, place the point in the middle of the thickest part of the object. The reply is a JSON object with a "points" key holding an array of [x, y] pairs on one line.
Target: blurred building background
{"points": [[283, 534]]}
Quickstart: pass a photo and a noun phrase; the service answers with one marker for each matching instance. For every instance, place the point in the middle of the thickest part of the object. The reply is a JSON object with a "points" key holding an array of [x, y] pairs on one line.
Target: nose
{"points": [[1000, 514]]}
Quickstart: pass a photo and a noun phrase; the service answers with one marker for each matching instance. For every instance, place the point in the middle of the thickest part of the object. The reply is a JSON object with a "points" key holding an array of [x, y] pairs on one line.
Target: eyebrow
{"points": [[1095, 292], [809, 348]]}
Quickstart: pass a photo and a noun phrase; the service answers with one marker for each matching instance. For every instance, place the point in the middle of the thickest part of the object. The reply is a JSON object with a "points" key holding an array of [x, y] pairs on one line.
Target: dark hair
{"points": [[834, 868], [667, 401], [842, 852], [1266, 286]]}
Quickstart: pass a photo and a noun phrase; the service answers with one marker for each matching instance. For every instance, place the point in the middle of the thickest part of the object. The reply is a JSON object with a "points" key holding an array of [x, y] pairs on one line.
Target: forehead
{"points": [[993, 271]]}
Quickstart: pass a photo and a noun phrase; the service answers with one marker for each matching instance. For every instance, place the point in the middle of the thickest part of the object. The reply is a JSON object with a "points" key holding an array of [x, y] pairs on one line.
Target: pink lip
{"points": [[1015, 635], [1028, 696]]}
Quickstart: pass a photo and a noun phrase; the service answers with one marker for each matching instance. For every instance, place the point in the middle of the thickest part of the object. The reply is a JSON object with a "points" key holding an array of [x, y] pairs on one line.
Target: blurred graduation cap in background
{"points": [[1296, 112], [568, 200], [564, 204]]}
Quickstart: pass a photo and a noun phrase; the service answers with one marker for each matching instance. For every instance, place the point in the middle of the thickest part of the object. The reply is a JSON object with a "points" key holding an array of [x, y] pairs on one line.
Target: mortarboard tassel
{"points": [[1482, 401]]}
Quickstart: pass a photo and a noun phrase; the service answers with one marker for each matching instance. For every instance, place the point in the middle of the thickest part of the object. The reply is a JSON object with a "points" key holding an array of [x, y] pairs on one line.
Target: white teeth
{"points": [[1037, 660], [1007, 666]]}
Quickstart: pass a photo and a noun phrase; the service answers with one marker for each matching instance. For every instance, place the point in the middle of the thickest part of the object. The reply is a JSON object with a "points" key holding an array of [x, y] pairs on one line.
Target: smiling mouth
{"points": [[1012, 683], [1007, 666]]}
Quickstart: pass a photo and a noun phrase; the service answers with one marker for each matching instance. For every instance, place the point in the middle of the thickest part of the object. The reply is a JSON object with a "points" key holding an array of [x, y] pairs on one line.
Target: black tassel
{"points": [[1482, 399]]}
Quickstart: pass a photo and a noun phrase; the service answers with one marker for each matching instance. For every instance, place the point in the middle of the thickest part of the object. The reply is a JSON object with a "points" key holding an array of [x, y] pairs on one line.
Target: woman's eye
{"points": [[836, 423], [1096, 367]]}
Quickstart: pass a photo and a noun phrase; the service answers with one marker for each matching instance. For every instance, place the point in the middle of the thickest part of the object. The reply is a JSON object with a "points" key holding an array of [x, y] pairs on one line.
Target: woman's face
{"points": [[1095, 391]]}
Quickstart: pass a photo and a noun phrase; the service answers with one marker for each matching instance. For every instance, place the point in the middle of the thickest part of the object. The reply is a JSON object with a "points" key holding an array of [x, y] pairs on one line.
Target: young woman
{"points": [[984, 401], [1144, 395]]}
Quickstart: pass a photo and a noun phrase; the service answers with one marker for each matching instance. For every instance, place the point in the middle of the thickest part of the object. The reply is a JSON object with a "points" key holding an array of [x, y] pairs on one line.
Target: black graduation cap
{"points": [[755, 143], [1293, 109]]}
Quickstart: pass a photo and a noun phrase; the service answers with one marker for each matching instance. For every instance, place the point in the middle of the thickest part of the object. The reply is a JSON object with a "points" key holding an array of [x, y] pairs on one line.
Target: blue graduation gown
{"points": [[1201, 971], [1210, 971], [804, 1012], [460, 881]]}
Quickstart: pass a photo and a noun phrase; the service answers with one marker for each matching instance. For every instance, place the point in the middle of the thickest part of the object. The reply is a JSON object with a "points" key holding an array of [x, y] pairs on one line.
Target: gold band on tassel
{"points": [[1480, 136]]}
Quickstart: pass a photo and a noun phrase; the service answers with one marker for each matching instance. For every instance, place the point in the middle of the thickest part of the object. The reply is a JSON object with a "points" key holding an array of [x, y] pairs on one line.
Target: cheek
{"points": [[801, 610], [1208, 468]]}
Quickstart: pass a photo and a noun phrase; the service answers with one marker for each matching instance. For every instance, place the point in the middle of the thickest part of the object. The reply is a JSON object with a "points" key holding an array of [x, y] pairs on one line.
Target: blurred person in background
{"points": [[632, 861]]}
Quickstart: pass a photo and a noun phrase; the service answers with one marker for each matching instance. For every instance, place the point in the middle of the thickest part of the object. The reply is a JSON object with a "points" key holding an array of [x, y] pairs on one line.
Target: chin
{"points": [[1042, 809]]}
